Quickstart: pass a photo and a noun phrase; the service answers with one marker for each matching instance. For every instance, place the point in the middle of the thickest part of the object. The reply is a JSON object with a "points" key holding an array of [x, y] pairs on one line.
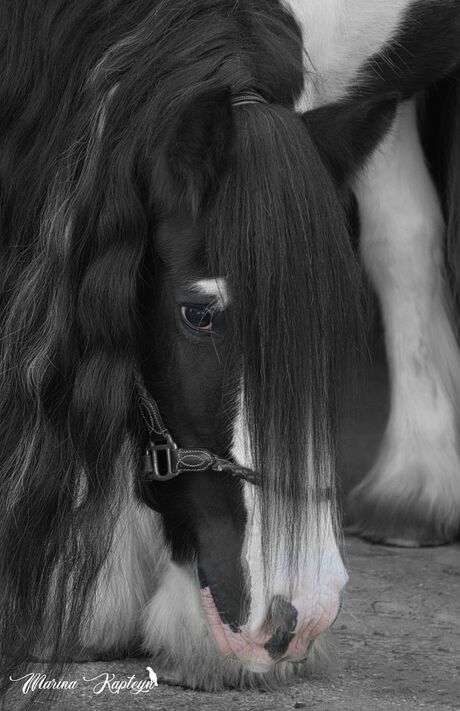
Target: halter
{"points": [[163, 460]]}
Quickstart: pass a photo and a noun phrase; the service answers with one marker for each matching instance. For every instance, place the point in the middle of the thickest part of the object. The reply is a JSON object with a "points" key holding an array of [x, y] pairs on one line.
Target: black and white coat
{"points": [[365, 64]]}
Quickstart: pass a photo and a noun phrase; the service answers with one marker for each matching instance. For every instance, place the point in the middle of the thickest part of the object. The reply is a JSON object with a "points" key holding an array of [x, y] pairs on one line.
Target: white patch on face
{"points": [[215, 289], [338, 37], [321, 572]]}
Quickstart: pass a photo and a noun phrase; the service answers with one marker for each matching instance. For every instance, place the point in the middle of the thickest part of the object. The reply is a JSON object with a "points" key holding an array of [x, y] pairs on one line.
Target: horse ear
{"points": [[346, 133], [196, 152]]}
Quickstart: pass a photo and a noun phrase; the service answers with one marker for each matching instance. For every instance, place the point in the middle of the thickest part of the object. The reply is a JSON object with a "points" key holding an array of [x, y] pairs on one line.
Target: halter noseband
{"points": [[164, 460]]}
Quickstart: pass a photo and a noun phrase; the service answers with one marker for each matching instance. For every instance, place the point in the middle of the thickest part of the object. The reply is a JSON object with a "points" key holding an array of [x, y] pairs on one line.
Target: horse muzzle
{"points": [[286, 634]]}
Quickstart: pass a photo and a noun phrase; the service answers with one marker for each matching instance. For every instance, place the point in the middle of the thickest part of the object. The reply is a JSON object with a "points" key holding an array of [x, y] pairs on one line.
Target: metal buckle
{"points": [[152, 463]]}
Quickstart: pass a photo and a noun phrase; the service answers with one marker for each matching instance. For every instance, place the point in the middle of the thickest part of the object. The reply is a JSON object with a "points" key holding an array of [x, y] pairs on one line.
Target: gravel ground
{"points": [[396, 645]]}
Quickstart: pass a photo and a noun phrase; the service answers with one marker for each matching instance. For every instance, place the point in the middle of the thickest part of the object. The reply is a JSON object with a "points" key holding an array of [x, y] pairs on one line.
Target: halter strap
{"points": [[163, 460], [248, 97], [177, 460]]}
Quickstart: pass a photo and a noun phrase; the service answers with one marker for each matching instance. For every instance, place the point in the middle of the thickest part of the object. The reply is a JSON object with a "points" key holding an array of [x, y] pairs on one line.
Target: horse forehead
{"points": [[180, 242]]}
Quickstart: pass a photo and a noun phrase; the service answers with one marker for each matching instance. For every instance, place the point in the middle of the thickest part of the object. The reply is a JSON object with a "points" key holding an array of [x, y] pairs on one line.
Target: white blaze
{"points": [[215, 288], [321, 572]]}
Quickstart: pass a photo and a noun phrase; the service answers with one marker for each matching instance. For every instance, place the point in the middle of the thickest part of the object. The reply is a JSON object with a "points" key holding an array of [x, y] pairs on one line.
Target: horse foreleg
{"points": [[412, 494]]}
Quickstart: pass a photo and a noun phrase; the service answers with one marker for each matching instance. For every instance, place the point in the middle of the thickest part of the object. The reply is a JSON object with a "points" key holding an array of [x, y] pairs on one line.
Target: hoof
{"points": [[401, 539], [392, 516]]}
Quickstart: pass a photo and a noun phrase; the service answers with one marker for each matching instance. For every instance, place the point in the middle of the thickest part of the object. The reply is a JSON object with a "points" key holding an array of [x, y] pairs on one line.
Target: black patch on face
{"points": [[190, 377]]}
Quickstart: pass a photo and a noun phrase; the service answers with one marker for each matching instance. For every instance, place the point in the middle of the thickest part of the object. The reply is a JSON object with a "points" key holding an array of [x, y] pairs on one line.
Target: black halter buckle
{"points": [[159, 467], [164, 460]]}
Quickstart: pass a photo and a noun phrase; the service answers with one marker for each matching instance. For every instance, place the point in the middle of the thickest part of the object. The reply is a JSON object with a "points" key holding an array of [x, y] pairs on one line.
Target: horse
{"points": [[181, 311]]}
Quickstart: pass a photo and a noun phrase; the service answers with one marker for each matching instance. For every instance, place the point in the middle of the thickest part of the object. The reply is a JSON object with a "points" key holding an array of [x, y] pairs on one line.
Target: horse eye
{"points": [[198, 317]]}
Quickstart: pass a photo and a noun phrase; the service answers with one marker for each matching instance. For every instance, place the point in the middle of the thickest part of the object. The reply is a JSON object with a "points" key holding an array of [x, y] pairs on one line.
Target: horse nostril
{"points": [[282, 613], [282, 620]]}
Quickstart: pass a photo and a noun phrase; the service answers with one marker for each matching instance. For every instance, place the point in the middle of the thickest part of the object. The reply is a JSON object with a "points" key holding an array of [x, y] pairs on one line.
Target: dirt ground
{"points": [[396, 644]]}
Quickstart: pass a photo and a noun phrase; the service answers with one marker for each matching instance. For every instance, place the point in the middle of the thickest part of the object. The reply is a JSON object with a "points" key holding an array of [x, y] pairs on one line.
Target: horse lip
{"points": [[206, 582], [232, 641], [252, 654], [278, 644]]}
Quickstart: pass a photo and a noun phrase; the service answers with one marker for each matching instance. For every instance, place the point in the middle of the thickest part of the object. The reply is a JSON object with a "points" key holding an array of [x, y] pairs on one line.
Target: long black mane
{"points": [[92, 93]]}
